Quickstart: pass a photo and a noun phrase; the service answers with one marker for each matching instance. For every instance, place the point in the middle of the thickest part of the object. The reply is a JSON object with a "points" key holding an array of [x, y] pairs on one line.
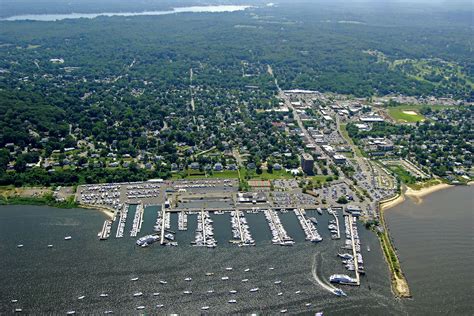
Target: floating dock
{"points": [[137, 221], [122, 221], [105, 232]]}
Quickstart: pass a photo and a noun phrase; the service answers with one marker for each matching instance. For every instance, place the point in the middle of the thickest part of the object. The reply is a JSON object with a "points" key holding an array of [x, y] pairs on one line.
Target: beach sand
{"points": [[417, 195]]}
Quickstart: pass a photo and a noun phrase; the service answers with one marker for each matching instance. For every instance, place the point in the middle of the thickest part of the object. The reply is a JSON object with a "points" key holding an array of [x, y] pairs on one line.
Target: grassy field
{"points": [[397, 112], [402, 174], [276, 174]]}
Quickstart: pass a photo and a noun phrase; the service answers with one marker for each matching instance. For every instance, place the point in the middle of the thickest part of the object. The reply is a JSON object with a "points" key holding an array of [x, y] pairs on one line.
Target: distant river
{"points": [[434, 241], [435, 245], [57, 17]]}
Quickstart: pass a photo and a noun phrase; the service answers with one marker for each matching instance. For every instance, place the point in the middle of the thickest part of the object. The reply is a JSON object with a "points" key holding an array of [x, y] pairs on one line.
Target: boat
{"points": [[104, 295], [210, 291], [187, 292], [147, 240], [319, 314], [345, 255], [255, 289], [232, 291], [229, 269], [277, 282], [137, 294], [108, 312], [18, 310], [368, 248], [163, 282], [169, 236], [140, 307], [156, 294], [209, 273], [297, 292], [232, 301], [205, 308], [280, 294], [134, 279], [245, 280], [160, 305], [314, 220], [339, 292], [81, 297], [342, 278], [283, 311], [320, 211], [225, 278], [308, 304], [20, 246], [70, 312], [14, 301], [247, 270], [188, 279], [271, 268], [50, 246], [67, 238]]}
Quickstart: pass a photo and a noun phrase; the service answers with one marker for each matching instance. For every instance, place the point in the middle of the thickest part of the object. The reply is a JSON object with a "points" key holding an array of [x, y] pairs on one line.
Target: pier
{"points": [[240, 229], [105, 232], [354, 252], [137, 221], [337, 234], [122, 221], [308, 227], [182, 221], [280, 236], [162, 223]]}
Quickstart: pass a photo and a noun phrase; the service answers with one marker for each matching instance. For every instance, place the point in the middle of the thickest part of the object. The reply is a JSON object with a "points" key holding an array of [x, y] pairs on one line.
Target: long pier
{"points": [[354, 252], [122, 221], [137, 221], [163, 225], [336, 218]]}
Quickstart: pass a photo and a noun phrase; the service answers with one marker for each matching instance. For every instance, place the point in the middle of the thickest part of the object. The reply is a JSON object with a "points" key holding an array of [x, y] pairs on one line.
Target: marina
{"points": [[137, 220]]}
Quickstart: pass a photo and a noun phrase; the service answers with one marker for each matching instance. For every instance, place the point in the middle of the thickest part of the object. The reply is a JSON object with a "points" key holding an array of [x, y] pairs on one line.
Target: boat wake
{"points": [[315, 264]]}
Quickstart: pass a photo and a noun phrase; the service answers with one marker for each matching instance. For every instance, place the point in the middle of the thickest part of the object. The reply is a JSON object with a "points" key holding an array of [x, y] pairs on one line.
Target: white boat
{"points": [[187, 292], [210, 291], [50, 246], [232, 301], [297, 292], [163, 282], [308, 304], [160, 305], [140, 307], [280, 294], [156, 294], [205, 308], [255, 289], [225, 278], [134, 279], [229, 269], [245, 280], [104, 295], [271, 268], [14, 301], [71, 313], [209, 273], [18, 310], [137, 294], [277, 282], [188, 279], [19, 246], [67, 238], [108, 312], [232, 291], [283, 311], [81, 297]]}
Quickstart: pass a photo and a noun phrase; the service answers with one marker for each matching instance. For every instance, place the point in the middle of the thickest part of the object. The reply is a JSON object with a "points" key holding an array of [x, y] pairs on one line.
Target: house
{"points": [[194, 165], [218, 167]]}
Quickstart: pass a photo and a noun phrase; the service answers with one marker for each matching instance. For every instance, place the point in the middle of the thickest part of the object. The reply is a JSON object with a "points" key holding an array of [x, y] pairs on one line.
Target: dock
{"points": [[105, 232], [354, 251], [308, 227], [336, 218], [137, 221], [122, 221], [182, 221], [163, 225], [280, 236]]}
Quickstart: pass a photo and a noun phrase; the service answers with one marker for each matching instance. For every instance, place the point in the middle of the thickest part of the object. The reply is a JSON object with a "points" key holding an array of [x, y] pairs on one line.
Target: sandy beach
{"points": [[385, 205], [417, 195], [104, 210]]}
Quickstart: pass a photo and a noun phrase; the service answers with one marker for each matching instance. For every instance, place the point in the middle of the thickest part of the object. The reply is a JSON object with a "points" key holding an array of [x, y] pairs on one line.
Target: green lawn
{"points": [[397, 112], [276, 174], [402, 174]]}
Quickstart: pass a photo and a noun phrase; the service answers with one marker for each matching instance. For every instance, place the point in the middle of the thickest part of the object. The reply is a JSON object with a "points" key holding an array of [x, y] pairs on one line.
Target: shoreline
{"points": [[103, 209], [418, 195]]}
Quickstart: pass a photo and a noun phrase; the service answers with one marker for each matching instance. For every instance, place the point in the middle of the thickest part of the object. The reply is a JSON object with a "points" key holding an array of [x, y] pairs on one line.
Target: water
{"points": [[434, 241], [58, 17], [50, 280]]}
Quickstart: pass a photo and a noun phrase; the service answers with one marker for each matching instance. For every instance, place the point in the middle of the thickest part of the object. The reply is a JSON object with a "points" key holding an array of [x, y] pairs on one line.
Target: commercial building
{"points": [[307, 163]]}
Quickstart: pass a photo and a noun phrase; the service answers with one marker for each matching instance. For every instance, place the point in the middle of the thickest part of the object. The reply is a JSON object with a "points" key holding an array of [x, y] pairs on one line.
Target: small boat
{"points": [[18, 310], [297, 292], [319, 314], [339, 292], [247, 270], [205, 308], [140, 307], [277, 282], [104, 295], [19, 246], [368, 248], [188, 279], [280, 294], [232, 301], [67, 238], [271, 268], [156, 294], [283, 311], [187, 292], [209, 273], [229, 269], [137, 294], [50, 246], [255, 289], [308, 304], [108, 312], [14, 301], [160, 305], [134, 279], [225, 278], [232, 291], [71, 313], [210, 291], [245, 280], [81, 297], [163, 282]]}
